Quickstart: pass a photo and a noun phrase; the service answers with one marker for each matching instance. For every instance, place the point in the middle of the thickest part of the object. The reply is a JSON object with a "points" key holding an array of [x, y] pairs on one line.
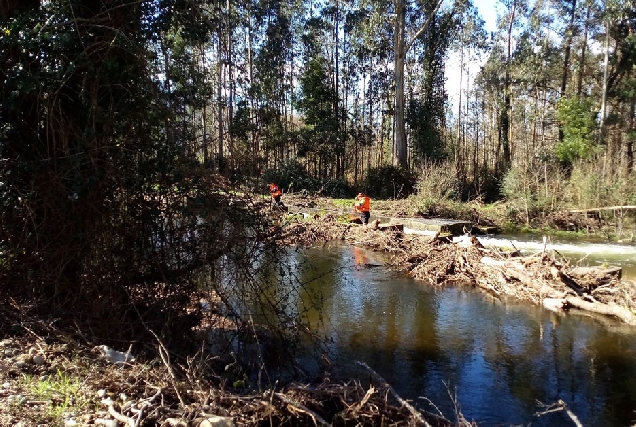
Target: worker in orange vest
{"points": [[276, 194], [362, 205]]}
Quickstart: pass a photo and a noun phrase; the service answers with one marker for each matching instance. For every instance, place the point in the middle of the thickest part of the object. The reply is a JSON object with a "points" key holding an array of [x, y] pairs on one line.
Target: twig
{"points": [[559, 406], [364, 400], [165, 357], [408, 406], [119, 417], [302, 408]]}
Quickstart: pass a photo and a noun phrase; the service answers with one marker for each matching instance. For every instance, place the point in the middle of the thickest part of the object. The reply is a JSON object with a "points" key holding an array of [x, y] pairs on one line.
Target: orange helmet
{"points": [[360, 195]]}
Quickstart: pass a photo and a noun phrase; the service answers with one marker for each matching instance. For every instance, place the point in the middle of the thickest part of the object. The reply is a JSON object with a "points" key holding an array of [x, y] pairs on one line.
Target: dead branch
{"points": [[299, 407], [414, 412]]}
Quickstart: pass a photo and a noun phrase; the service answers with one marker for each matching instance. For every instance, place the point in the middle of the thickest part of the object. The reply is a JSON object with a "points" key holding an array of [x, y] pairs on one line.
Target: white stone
{"points": [[114, 356]]}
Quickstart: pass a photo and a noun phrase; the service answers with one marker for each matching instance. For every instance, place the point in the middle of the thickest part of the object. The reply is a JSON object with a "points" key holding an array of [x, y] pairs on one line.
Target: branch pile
{"points": [[538, 278]]}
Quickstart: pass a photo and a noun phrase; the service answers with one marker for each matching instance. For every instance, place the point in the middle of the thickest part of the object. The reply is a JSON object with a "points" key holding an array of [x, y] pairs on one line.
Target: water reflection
{"points": [[498, 358]]}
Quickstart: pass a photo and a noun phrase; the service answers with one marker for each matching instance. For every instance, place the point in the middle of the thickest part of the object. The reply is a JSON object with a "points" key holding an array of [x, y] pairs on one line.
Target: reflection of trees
{"points": [[385, 321], [499, 359], [611, 372]]}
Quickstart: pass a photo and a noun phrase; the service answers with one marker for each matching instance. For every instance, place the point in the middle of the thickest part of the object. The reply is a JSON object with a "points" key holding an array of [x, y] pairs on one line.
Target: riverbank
{"points": [[542, 278], [49, 377], [611, 226]]}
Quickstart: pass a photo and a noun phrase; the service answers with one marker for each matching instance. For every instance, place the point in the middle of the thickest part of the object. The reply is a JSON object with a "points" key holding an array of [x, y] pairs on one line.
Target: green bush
{"points": [[292, 176], [336, 188]]}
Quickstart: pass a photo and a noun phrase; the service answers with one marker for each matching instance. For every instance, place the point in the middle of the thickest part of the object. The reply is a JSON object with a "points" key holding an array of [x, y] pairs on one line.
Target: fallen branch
{"points": [[302, 408], [598, 307], [560, 406], [416, 414]]}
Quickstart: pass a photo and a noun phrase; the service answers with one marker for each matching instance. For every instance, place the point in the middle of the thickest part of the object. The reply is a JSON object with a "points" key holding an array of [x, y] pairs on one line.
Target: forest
{"points": [[133, 133], [137, 139]]}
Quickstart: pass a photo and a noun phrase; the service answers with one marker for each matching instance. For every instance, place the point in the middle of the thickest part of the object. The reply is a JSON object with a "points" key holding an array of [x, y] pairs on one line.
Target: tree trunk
{"points": [[505, 117], [566, 58], [229, 77], [604, 94], [459, 108], [579, 83], [399, 146], [220, 99]]}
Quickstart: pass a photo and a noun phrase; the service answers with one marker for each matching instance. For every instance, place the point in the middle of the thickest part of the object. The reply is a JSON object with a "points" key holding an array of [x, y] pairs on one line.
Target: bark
{"points": [[579, 83], [566, 53], [505, 117], [401, 48], [399, 146]]}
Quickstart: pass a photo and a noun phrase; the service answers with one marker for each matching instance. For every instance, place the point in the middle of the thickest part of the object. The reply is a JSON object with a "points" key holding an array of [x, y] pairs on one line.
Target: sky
{"points": [[488, 9]]}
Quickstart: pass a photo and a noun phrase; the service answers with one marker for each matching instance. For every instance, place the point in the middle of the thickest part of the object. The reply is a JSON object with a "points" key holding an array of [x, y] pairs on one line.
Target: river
{"points": [[497, 360], [576, 250]]}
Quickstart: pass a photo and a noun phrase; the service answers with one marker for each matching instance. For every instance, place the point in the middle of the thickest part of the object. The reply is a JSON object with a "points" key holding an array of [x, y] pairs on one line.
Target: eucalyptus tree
{"points": [[270, 85], [369, 34], [317, 99], [514, 8], [401, 45], [620, 83], [427, 99], [470, 42]]}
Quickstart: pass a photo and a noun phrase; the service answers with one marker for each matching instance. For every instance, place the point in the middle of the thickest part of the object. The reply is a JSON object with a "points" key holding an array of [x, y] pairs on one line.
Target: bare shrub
{"points": [[438, 181]]}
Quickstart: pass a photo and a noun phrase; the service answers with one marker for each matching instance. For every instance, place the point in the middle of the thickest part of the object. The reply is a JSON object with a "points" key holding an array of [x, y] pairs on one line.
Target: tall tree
{"points": [[401, 46]]}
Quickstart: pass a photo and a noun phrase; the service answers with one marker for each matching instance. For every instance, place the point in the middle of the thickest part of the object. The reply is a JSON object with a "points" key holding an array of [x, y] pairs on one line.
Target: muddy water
{"points": [[497, 359]]}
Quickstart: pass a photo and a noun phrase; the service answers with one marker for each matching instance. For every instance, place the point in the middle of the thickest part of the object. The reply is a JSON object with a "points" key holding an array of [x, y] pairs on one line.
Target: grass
{"points": [[63, 392], [342, 203]]}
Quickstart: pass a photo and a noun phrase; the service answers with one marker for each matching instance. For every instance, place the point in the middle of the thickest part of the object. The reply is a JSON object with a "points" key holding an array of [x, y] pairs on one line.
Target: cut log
{"points": [[554, 304], [606, 309], [388, 227]]}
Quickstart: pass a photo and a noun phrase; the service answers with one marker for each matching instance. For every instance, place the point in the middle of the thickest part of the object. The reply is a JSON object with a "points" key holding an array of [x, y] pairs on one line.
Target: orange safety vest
{"points": [[363, 204], [273, 189]]}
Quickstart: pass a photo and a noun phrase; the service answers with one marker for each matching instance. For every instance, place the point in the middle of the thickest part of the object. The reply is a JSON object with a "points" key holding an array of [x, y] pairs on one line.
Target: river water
{"points": [[576, 250], [496, 361]]}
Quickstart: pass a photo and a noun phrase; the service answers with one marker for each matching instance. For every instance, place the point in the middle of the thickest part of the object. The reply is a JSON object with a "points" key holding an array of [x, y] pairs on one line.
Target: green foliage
{"points": [[444, 208], [336, 188], [291, 176], [388, 182], [426, 128], [588, 188], [577, 121], [317, 100], [518, 190]]}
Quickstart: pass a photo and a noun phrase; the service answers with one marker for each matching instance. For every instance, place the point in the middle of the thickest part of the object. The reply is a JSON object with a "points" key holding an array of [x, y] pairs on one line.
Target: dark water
{"points": [[497, 359]]}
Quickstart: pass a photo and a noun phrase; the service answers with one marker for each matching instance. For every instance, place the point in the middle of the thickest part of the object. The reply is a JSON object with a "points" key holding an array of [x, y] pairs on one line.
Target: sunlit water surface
{"points": [[496, 360]]}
